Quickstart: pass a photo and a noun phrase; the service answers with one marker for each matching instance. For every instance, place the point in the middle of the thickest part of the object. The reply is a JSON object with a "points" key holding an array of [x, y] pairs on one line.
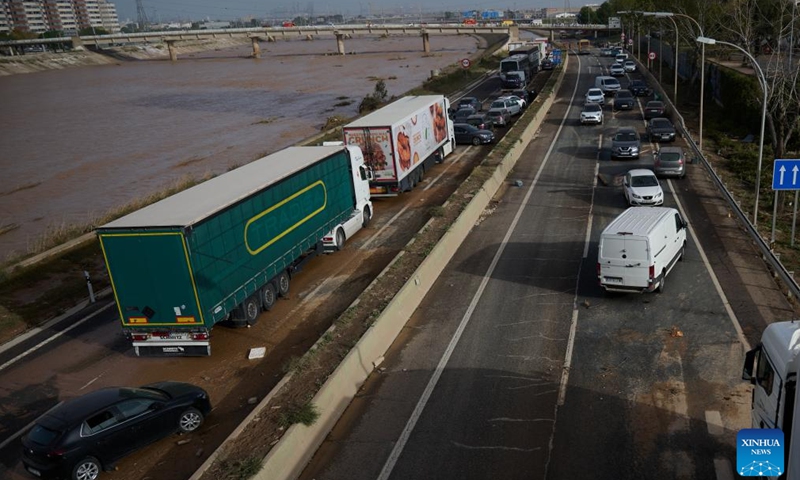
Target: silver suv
{"points": [[625, 144]]}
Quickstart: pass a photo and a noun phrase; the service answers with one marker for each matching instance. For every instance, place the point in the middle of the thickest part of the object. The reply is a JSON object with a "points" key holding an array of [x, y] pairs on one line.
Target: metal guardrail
{"points": [[766, 252]]}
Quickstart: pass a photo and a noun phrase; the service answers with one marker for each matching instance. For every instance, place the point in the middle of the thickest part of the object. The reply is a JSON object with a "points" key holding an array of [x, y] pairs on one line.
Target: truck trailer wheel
{"points": [[268, 296], [282, 283], [251, 310]]}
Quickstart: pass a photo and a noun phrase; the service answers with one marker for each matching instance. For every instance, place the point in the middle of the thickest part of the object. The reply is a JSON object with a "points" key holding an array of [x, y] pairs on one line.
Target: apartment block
{"points": [[68, 16]]}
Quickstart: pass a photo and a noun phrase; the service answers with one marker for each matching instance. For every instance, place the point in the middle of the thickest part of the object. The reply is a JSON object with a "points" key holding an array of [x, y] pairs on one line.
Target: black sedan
{"points": [[624, 100], [639, 88], [660, 130], [466, 133], [87, 434], [654, 109]]}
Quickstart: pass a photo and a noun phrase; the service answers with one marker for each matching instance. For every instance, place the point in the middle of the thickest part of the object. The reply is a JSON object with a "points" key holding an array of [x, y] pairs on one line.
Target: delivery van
{"points": [[639, 248]]}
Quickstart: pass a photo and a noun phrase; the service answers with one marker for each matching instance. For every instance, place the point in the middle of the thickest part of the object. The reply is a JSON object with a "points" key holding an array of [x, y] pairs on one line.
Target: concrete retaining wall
{"points": [[290, 455]]}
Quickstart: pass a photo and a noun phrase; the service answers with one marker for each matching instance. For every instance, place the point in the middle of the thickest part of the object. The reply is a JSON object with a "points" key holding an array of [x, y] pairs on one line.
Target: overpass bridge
{"points": [[272, 34]]}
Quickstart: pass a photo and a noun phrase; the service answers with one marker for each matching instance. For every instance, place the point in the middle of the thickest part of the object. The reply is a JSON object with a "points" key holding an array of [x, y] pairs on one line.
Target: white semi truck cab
{"points": [[772, 368]]}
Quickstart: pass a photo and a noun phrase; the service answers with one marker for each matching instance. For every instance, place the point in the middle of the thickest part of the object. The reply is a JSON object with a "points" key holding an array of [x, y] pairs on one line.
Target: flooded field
{"points": [[78, 142]]}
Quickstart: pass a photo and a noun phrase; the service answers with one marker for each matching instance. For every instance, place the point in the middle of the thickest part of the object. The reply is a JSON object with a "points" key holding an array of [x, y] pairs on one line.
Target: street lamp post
{"points": [[702, 63], [762, 80]]}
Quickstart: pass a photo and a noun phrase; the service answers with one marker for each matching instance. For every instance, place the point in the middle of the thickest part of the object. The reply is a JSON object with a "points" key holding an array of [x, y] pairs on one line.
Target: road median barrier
{"points": [[289, 456]]}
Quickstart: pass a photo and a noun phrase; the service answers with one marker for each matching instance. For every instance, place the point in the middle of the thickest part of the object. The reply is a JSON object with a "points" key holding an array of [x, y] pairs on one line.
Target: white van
{"points": [[639, 248], [620, 58], [609, 85]]}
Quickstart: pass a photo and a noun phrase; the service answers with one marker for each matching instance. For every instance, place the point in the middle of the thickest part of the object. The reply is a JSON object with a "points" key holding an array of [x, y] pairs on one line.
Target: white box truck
{"points": [[773, 367], [402, 141], [639, 248]]}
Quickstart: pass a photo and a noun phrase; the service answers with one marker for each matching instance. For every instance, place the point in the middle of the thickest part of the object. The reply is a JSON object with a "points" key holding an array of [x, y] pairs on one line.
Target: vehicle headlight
{"points": [[636, 196], [634, 149], [657, 195]]}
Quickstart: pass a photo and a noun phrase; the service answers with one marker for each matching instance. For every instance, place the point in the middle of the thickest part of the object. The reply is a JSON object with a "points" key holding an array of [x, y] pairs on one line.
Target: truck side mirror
{"points": [[749, 364]]}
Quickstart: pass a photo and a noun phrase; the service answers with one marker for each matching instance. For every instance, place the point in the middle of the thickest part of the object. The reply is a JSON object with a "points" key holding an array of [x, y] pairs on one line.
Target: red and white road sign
{"points": [[651, 55], [465, 63]]}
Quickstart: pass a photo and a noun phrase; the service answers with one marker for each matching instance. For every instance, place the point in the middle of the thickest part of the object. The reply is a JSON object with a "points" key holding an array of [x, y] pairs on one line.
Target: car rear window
{"points": [[669, 156], [43, 436]]}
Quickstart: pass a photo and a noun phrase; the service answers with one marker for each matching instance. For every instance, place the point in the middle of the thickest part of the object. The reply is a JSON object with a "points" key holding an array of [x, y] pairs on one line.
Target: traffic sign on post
{"points": [[651, 55], [465, 63], [785, 175]]}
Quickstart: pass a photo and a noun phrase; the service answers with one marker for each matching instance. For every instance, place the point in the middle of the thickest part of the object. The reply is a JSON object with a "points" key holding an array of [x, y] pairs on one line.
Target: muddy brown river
{"points": [[77, 143]]}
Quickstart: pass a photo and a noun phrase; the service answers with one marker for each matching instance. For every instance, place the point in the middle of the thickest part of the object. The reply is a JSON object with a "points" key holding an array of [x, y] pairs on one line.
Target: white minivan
{"points": [[639, 248], [609, 85]]}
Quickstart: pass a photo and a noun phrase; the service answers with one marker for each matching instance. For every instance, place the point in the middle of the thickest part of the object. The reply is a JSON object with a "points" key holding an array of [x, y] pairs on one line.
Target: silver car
{"points": [[625, 143], [670, 161], [510, 105]]}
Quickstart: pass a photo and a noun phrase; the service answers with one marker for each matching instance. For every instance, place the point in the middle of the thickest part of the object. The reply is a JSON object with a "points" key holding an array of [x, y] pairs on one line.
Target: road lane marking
{"points": [[731, 315], [562, 388], [437, 373], [587, 239], [714, 423], [449, 164], [57, 335]]}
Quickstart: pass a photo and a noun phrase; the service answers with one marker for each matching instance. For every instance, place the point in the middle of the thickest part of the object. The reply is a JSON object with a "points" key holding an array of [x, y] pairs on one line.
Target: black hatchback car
{"points": [[624, 100], [639, 88], [87, 434]]}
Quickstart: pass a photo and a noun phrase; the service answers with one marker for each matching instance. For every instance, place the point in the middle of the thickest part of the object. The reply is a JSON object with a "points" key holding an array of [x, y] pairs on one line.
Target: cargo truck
{"points": [[402, 141], [225, 249], [773, 367]]}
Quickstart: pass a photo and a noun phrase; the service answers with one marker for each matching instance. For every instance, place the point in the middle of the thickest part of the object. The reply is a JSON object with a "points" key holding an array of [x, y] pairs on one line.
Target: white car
{"points": [[616, 70], [629, 65], [641, 187], [592, 113], [517, 99], [507, 104], [595, 95]]}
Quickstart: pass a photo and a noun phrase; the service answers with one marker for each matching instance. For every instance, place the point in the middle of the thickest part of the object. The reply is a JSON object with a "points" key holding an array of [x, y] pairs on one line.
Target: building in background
{"points": [[68, 16]]}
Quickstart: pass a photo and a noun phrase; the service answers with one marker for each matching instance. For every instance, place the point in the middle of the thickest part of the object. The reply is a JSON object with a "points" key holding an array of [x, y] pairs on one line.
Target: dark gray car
{"points": [[660, 130], [625, 144], [670, 161], [624, 100]]}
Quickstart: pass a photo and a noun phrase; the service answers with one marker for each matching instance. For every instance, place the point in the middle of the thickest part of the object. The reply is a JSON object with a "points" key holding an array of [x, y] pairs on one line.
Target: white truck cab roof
{"points": [[781, 341]]}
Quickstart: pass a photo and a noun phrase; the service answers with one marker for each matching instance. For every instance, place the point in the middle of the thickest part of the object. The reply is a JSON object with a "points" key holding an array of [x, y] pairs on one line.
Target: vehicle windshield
{"points": [[670, 156], [592, 107], [655, 105], [595, 92], [644, 181], [661, 123], [612, 83], [500, 104], [43, 436], [624, 94], [625, 137]]}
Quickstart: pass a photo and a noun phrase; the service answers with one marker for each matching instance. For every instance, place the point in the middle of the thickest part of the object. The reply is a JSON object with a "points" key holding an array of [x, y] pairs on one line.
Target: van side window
{"points": [[765, 375], [678, 222]]}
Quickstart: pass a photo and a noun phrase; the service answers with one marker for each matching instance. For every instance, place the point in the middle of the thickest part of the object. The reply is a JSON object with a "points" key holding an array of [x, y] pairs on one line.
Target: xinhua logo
{"points": [[759, 452]]}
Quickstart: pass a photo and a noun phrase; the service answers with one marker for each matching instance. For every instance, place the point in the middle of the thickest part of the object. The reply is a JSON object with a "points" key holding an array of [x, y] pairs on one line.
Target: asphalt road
{"points": [[518, 365], [88, 351]]}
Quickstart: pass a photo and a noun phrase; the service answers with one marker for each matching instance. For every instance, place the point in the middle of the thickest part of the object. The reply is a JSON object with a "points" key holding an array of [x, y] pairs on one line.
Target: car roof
{"points": [[660, 120], [626, 130], [641, 172], [76, 410], [592, 106], [465, 125]]}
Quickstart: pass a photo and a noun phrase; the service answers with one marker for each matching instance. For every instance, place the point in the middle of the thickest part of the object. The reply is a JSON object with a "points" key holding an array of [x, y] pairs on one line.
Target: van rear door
{"points": [[624, 262]]}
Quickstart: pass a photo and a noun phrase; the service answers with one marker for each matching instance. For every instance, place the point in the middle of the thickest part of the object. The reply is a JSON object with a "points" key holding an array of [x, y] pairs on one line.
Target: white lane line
{"points": [[449, 164], [375, 235], [735, 321], [562, 389], [57, 335], [587, 239], [437, 373], [91, 381], [714, 423], [26, 427]]}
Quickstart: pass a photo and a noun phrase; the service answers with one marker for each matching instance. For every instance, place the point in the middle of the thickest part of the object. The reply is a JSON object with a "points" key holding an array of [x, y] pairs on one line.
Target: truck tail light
{"points": [[200, 336], [139, 337], [598, 269], [327, 238], [652, 273]]}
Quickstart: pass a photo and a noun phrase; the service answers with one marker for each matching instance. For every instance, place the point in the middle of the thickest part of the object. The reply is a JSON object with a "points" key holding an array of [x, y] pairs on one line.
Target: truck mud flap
{"points": [[168, 349]]}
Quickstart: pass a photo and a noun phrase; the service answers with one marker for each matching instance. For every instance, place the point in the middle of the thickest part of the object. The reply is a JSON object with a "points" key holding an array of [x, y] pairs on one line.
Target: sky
{"points": [[185, 10]]}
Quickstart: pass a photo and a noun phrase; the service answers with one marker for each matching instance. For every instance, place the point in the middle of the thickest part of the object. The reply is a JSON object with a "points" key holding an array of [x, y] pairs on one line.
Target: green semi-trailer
{"points": [[227, 248]]}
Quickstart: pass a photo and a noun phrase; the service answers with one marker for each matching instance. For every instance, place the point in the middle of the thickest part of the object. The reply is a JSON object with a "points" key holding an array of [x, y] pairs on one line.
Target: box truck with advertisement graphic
{"points": [[402, 141], [225, 249], [773, 367]]}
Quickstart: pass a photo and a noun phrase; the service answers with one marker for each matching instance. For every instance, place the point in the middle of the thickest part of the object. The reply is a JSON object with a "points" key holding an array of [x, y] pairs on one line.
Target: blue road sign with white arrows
{"points": [[786, 175]]}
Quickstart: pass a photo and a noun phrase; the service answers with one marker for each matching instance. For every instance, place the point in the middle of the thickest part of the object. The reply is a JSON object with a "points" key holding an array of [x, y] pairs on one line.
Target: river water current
{"points": [[77, 143]]}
